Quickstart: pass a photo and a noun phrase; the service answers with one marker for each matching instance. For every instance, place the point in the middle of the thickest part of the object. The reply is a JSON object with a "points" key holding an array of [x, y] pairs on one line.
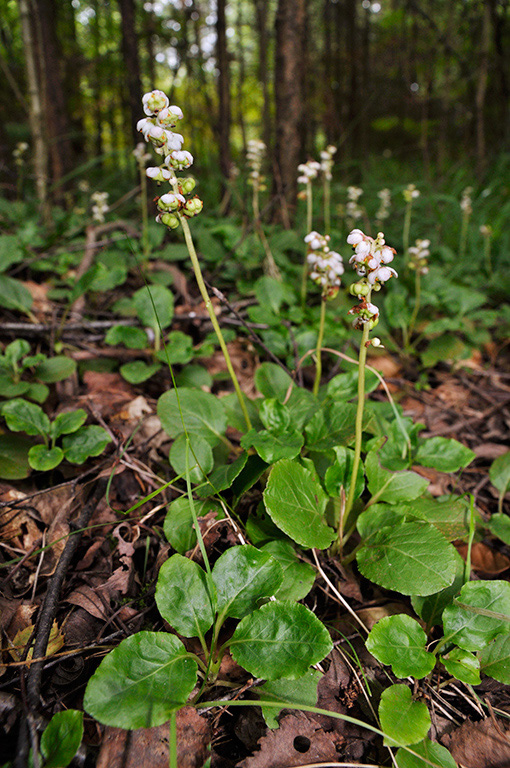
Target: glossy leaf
{"points": [[202, 413], [450, 516], [272, 446], [22, 416], [178, 524], [274, 415], [411, 558], [332, 425], [55, 369], [199, 452], [339, 474], [272, 381], [486, 615], [42, 458], [69, 422], [61, 738], [178, 349], [431, 608], [379, 516], [138, 371], [183, 596], [403, 720], [392, 487], [400, 641], [86, 442], [444, 454], [245, 577], [499, 473], [499, 525], [298, 576], [495, 659], [463, 665], [154, 306], [222, 477], [128, 335], [296, 502], [293, 692], [140, 683], [430, 751], [281, 639], [344, 386]]}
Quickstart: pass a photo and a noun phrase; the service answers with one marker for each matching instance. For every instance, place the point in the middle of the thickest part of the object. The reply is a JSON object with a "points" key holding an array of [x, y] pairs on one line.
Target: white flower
{"points": [[179, 160], [174, 140], [381, 274], [355, 237], [154, 101]]}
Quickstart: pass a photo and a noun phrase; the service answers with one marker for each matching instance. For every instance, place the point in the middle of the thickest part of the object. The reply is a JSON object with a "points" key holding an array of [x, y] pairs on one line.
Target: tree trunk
{"points": [[290, 32], [224, 111], [132, 62], [262, 35], [481, 89]]}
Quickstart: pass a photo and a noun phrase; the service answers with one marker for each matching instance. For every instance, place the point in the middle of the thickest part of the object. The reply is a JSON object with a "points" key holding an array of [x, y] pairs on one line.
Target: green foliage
{"points": [[481, 613], [403, 720], [400, 641], [61, 738]]}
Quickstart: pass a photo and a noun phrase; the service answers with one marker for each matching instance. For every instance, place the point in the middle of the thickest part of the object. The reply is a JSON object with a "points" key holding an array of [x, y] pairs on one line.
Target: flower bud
{"points": [[187, 185], [169, 220]]}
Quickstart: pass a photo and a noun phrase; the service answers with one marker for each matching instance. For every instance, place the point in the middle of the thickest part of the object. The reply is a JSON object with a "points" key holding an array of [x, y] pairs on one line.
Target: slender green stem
{"points": [[417, 297], [320, 338], [145, 215], [327, 206], [463, 235], [309, 219], [172, 741], [359, 417], [487, 253], [269, 264], [405, 234], [214, 320]]}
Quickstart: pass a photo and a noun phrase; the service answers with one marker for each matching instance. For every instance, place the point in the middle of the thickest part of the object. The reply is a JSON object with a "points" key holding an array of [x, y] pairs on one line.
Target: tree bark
{"points": [[290, 32], [261, 8], [132, 62], [224, 109]]}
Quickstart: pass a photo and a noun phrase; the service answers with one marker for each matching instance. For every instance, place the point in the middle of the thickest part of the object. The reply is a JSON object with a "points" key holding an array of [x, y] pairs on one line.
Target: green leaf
{"points": [[443, 349], [450, 516], [403, 720], [339, 475], [273, 381], [331, 426], [130, 337], [499, 525], [85, 281], [302, 691], [14, 295], [183, 597], [22, 416], [154, 306], [344, 386], [178, 349], [411, 558], [55, 369], [302, 405], [86, 442], [269, 292], [431, 608], [245, 578], [378, 516], [16, 349], [223, 477], [43, 458], [499, 473], [11, 251], [142, 682], [280, 640], [463, 665], [274, 415], [298, 576], [271, 447], [61, 738], [469, 627], [296, 503], [444, 454], [65, 423], [10, 388], [202, 414], [495, 659], [430, 752], [38, 392], [14, 457], [178, 524], [400, 641], [138, 371], [392, 486], [199, 448]]}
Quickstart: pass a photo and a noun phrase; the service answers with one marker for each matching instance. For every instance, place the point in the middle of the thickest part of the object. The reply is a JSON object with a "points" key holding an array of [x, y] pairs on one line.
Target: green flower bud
{"points": [[187, 185], [169, 220]]}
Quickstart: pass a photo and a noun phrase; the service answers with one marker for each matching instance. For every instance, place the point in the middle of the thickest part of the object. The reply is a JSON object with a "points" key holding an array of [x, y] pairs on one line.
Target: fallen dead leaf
{"points": [[133, 411], [490, 450], [244, 361], [484, 560], [485, 744], [148, 747], [370, 616], [453, 395], [87, 598]]}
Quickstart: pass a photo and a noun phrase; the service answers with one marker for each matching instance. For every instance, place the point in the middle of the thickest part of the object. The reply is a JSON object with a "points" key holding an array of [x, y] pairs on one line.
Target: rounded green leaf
{"points": [[178, 524], [22, 416], [10, 388], [178, 349], [481, 612], [298, 576], [245, 577], [138, 371], [431, 608], [495, 659], [275, 416], [272, 447], [130, 337], [499, 473], [430, 751], [444, 453], [281, 639], [392, 486], [332, 425], [154, 306], [14, 295], [463, 665], [499, 525], [65, 423], [272, 381], [183, 596], [140, 683], [199, 451], [37, 392], [378, 516], [411, 558], [339, 474], [202, 414], [62, 738], [86, 442], [403, 720], [55, 369], [295, 501], [42, 458], [14, 457], [400, 641]]}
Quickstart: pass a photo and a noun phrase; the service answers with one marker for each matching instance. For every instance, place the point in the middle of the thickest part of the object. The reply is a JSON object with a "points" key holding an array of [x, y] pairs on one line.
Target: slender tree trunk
{"points": [[261, 8], [481, 89], [351, 48], [224, 109], [36, 109], [131, 62], [499, 33], [96, 82], [290, 31], [242, 72]]}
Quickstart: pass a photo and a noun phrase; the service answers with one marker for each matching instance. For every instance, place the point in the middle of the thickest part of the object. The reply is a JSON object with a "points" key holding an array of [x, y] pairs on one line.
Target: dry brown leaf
{"points": [[490, 450], [484, 560], [133, 411], [452, 394], [370, 616], [41, 306], [148, 747], [21, 638], [244, 361], [485, 744], [87, 598]]}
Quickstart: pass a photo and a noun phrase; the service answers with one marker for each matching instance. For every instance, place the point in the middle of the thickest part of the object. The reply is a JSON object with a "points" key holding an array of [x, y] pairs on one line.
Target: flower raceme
{"points": [[326, 266], [156, 129], [370, 260]]}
